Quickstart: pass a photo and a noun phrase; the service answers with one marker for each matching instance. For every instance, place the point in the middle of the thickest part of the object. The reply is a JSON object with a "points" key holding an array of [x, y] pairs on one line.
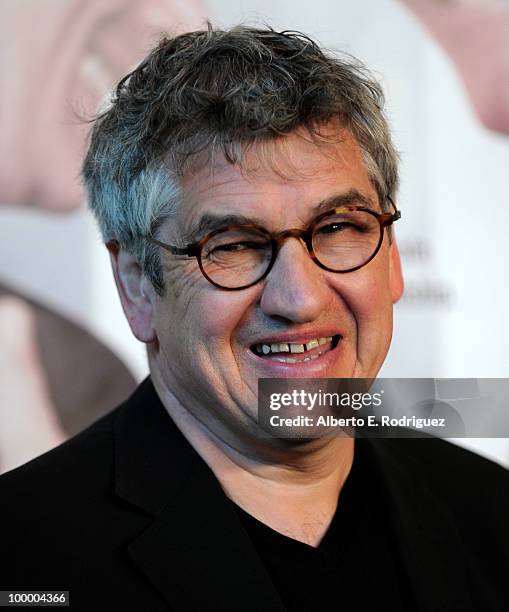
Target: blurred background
{"points": [[66, 353]]}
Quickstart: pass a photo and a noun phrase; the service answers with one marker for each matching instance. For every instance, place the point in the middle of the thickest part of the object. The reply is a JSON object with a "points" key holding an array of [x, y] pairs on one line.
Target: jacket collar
{"points": [[198, 556]]}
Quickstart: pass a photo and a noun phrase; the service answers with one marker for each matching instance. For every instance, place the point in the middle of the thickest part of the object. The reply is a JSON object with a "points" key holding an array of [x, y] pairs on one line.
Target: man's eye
{"points": [[331, 228], [235, 247]]}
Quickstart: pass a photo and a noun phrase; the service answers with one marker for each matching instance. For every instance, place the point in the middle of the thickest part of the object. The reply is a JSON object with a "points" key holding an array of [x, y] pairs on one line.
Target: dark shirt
{"points": [[357, 563]]}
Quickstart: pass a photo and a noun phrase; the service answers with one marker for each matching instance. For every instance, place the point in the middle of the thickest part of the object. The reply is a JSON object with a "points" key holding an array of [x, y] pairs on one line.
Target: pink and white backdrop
{"points": [[445, 68]]}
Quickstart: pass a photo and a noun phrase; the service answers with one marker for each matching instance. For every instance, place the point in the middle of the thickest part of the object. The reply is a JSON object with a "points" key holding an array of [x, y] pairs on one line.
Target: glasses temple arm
{"points": [[189, 250], [397, 213]]}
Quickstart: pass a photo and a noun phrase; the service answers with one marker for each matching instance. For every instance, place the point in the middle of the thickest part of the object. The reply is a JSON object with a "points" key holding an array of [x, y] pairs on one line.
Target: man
{"points": [[244, 183]]}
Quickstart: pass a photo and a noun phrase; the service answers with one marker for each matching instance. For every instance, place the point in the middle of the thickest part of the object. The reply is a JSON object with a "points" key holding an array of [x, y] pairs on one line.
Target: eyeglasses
{"points": [[340, 240]]}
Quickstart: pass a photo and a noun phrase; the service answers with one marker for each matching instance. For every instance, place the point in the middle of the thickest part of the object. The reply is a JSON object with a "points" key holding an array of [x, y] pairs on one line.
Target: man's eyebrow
{"points": [[210, 222], [350, 198]]}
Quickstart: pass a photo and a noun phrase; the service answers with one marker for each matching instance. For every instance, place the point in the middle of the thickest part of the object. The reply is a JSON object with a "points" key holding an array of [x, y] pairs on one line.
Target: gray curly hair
{"points": [[220, 91]]}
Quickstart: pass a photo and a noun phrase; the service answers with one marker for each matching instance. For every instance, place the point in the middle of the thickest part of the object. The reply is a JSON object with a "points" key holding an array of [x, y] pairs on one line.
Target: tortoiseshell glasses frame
{"points": [[275, 240]]}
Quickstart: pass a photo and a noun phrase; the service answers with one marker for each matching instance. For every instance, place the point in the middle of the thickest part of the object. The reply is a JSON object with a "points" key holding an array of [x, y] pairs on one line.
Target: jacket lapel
{"points": [[431, 547], [195, 552]]}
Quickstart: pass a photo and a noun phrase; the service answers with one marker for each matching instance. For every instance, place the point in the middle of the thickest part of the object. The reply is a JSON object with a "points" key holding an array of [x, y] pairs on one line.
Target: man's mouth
{"points": [[295, 352]]}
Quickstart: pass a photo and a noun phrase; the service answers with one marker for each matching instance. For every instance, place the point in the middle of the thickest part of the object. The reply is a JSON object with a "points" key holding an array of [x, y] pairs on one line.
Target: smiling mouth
{"points": [[294, 352]]}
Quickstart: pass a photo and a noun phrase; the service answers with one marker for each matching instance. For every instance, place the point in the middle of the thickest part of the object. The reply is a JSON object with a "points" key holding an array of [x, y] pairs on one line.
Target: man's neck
{"points": [[292, 489], [297, 499]]}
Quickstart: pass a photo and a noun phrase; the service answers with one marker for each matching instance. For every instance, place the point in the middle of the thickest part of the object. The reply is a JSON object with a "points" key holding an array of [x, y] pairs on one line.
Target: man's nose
{"points": [[295, 288]]}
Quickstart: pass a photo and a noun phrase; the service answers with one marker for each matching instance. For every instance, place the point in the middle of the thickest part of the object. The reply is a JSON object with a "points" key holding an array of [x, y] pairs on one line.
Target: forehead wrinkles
{"points": [[292, 158], [287, 161]]}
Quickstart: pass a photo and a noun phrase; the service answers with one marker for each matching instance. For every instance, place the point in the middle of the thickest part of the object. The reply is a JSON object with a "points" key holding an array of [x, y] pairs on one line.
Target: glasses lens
{"points": [[346, 239], [236, 257]]}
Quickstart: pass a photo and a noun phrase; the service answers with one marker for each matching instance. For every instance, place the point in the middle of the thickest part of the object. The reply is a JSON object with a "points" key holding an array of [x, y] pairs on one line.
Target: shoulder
{"points": [[59, 500], [473, 491], [81, 469], [82, 463], [448, 469], [85, 458]]}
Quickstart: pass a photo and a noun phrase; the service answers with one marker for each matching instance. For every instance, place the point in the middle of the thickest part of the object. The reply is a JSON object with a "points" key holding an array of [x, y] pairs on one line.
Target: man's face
{"points": [[206, 352]]}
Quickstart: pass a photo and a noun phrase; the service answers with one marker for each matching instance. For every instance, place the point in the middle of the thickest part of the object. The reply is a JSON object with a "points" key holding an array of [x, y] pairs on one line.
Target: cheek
{"points": [[374, 326], [177, 322], [368, 298], [374, 304], [202, 317]]}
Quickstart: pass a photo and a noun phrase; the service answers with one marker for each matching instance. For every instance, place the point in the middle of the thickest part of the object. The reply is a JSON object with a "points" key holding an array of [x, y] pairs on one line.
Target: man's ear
{"points": [[136, 292], [395, 272]]}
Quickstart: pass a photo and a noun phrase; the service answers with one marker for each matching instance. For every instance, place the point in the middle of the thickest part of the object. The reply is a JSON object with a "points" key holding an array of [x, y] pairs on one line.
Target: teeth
{"points": [[290, 360], [292, 347], [296, 348]]}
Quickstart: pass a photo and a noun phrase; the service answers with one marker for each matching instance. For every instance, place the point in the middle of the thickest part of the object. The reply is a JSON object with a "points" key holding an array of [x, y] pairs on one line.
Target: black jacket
{"points": [[126, 516]]}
